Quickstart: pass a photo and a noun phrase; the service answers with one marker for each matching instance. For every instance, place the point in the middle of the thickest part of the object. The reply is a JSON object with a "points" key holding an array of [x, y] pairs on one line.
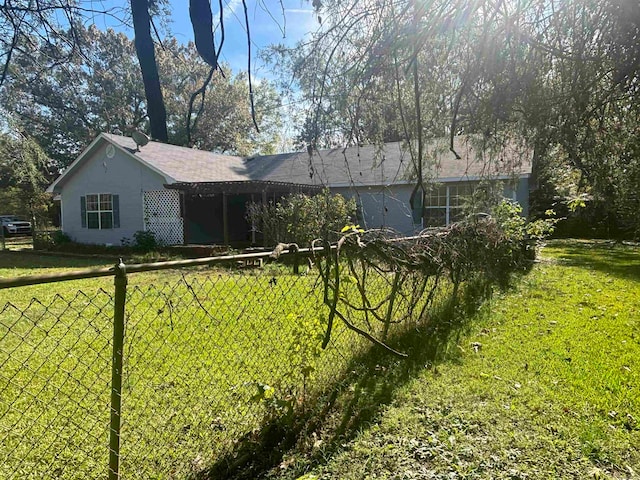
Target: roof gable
{"points": [[184, 164], [88, 153]]}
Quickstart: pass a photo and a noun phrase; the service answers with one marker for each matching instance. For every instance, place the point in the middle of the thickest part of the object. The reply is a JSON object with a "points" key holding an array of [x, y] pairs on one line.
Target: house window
{"points": [[459, 198], [99, 211], [445, 204], [435, 207]]}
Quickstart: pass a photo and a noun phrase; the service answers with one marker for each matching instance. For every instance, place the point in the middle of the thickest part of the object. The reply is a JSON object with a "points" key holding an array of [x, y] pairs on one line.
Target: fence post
{"points": [[120, 282], [296, 258]]}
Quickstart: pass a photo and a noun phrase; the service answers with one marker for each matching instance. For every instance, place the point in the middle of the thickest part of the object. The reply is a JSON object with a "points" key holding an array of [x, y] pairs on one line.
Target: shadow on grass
{"points": [[354, 399], [26, 260], [611, 258]]}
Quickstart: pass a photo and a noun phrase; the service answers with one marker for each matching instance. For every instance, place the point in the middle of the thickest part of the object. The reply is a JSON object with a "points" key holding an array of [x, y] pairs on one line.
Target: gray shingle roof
{"points": [[367, 165], [186, 164]]}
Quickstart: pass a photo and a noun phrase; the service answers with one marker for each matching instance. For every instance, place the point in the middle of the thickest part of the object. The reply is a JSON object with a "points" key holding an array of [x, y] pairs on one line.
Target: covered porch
{"points": [[215, 212]]}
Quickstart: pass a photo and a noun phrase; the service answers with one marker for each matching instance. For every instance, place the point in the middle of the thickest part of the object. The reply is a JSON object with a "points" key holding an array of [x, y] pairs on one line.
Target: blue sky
{"points": [[271, 21]]}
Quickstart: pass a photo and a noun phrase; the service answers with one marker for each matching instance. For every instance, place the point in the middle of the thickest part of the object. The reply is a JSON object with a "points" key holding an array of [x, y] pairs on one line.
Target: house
{"points": [[115, 187]]}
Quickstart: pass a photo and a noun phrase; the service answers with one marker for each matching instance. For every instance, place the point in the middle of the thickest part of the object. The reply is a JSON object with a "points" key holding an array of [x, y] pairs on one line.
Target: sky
{"points": [[270, 22]]}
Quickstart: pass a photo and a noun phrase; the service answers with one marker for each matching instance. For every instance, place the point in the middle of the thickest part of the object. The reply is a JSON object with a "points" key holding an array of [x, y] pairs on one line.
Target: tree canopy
{"points": [[101, 90], [561, 75]]}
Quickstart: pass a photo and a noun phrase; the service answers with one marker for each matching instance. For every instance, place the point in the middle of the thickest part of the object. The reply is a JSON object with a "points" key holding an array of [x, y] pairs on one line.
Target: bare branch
{"points": [[253, 108]]}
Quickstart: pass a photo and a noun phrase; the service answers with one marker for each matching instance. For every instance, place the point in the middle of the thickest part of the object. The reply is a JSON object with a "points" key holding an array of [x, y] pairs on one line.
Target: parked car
{"points": [[13, 225]]}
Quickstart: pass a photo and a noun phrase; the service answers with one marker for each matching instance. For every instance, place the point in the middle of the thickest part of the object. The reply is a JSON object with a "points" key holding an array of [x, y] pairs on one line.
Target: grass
{"points": [[544, 383], [210, 354]]}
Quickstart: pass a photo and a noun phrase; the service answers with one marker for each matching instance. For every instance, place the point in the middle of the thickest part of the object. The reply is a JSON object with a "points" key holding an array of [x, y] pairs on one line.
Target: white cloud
{"points": [[299, 10], [232, 6]]}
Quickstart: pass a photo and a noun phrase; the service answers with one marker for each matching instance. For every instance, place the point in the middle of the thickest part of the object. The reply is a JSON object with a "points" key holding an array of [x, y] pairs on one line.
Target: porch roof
{"points": [[243, 186]]}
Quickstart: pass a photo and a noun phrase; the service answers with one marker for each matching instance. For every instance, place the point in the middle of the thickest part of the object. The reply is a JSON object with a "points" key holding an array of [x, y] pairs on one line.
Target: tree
{"points": [[223, 121], [66, 106], [557, 74], [301, 219], [22, 181], [50, 23], [101, 90], [52, 26], [148, 66]]}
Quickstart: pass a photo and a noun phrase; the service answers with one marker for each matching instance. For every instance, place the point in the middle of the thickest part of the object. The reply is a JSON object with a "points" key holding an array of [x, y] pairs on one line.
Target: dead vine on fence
{"points": [[375, 279]]}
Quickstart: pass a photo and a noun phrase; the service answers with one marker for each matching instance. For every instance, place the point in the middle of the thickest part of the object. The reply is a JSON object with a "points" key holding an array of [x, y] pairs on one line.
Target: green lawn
{"points": [[544, 384], [209, 355], [541, 383]]}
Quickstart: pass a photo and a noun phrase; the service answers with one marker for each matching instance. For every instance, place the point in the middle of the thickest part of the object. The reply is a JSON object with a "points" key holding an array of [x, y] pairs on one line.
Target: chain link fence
{"points": [[202, 356]]}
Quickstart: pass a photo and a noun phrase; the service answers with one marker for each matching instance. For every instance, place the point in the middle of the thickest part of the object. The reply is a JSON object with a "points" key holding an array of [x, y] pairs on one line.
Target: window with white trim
{"points": [[435, 207], [445, 204], [99, 211]]}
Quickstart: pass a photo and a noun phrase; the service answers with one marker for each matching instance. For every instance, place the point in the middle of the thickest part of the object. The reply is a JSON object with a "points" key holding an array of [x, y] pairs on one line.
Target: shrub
{"points": [[60, 238], [144, 241], [301, 218], [50, 239]]}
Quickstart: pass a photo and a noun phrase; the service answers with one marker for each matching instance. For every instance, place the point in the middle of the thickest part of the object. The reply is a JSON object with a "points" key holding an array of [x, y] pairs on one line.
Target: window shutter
{"points": [[83, 212], [116, 210]]}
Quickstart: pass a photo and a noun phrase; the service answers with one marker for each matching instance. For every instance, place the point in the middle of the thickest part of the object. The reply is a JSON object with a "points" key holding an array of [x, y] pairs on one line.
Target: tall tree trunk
{"points": [[147, 58]]}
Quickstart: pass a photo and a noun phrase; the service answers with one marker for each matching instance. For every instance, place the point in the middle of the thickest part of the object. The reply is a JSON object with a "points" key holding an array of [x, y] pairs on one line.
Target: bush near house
{"points": [[301, 218]]}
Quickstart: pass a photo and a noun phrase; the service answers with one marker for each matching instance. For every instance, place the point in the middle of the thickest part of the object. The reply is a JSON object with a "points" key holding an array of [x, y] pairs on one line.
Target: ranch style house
{"points": [[188, 196]]}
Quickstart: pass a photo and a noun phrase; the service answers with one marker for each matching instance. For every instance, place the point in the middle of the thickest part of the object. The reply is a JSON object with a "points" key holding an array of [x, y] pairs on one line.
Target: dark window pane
{"points": [[105, 202], [92, 202], [92, 220], [106, 220], [456, 214], [435, 217]]}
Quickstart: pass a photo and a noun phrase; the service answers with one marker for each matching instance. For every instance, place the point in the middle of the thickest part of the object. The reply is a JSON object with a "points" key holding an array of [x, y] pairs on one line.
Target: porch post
{"points": [[183, 212], [225, 219], [253, 226]]}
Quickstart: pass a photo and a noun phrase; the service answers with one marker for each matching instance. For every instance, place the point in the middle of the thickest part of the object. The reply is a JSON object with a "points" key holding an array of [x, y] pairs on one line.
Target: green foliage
{"points": [[301, 218], [23, 178], [144, 241], [509, 217], [431, 69], [100, 89], [51, 240]]}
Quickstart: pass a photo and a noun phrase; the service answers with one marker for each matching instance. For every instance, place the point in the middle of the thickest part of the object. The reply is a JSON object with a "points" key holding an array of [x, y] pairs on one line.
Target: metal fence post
{"points": [[296, 258], [120, 282]]}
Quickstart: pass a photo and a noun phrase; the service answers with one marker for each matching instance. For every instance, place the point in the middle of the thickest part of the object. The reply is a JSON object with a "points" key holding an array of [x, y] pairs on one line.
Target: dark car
{"points": [[13, 225]]}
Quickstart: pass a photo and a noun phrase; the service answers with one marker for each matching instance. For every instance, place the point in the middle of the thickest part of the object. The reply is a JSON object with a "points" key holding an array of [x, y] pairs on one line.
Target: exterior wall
{"points": [[522, 195], [119, 175], [519, 193], [383, 207], [388, 207]]}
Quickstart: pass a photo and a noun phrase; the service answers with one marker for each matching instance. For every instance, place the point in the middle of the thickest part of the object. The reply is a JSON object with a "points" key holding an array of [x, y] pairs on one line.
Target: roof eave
{"points": [[465, 178]]}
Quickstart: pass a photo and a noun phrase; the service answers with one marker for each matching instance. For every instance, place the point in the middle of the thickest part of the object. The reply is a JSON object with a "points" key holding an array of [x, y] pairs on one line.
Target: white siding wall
{"points": [[119, 175], [389, 206], [384, 207]]}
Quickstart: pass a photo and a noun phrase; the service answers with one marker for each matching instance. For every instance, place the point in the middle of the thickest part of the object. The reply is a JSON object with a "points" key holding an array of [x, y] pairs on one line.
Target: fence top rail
{"points": [[27, 280], [140, 267]]}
